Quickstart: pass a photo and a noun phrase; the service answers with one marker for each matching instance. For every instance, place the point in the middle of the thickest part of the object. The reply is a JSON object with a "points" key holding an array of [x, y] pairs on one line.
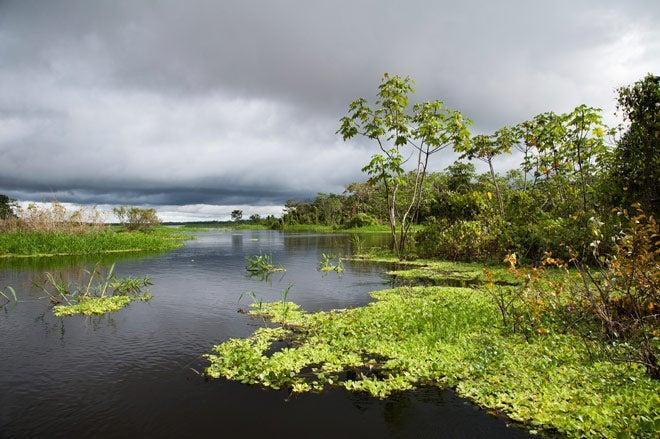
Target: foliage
{"points": [[35, 243], [331, 263], [361, 219], [96, 292], [97, 305], [53, 219], [261, 265], [461, 240], [236, 215], [7, 207], [619, 293], [447, 337], [136, 218], [636, 161], [429, 127]]}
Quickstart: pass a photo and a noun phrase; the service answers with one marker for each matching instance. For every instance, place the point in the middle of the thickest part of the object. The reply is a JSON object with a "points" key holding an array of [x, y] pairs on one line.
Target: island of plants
{"points": [[98, 292]]}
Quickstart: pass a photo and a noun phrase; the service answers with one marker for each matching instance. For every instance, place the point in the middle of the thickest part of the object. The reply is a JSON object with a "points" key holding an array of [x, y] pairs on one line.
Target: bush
{"points": [[135, 218], [361, 220], [461, 241]]}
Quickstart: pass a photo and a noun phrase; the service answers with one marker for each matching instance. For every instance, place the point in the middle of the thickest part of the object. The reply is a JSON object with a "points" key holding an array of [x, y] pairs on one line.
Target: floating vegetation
{"points": [[331, 263], [262, 265], [90, 306], [96, 293], [447, 337]]}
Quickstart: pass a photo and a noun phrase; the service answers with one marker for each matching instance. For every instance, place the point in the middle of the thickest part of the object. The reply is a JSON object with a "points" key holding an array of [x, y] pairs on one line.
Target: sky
{"points": [[200, 107]]}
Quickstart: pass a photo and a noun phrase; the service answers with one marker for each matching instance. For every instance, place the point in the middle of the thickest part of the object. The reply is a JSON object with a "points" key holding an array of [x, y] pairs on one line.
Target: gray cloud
{"points": [[236, 102]]}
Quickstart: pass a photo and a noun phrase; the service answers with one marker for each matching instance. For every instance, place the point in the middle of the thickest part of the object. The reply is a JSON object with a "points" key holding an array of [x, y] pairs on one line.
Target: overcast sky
{"points": [[201, 106]]}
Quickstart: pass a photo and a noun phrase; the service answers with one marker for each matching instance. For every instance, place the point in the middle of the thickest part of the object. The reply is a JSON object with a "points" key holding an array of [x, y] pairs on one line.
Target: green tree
{"points": [[236, 215], [136, 218], [486, 147], [7, 206], [585, 133], [636, 164], [427, 128]]}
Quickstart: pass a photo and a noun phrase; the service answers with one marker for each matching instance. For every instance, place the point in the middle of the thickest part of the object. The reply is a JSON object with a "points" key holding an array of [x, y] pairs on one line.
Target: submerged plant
{"points": [[95, 293], [331, 263]]}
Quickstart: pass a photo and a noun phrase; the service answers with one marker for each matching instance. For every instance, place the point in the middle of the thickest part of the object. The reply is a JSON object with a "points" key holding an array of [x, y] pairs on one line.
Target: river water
{"points": [[134, 373]]}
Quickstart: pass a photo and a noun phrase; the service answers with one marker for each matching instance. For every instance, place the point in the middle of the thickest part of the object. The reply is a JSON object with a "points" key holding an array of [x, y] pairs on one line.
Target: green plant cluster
{"points": [[446, 336], [90, 306], [34, 243], [262, 265], [96, 291], [330, 263]]}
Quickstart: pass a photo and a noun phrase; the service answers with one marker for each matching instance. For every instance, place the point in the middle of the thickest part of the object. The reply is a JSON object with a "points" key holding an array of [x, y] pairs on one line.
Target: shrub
{"points": [[136, 218], [361, 219], [462, 240]]}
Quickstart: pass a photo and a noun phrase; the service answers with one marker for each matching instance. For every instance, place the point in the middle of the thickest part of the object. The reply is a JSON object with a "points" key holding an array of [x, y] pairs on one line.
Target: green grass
{"points": [[446, 337], [27, 244]]}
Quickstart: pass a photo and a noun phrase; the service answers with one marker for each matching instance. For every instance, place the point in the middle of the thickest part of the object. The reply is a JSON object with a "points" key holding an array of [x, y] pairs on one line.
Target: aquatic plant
{"points": [[262, 265], [330, 263], [447, 337], [96, 293]]}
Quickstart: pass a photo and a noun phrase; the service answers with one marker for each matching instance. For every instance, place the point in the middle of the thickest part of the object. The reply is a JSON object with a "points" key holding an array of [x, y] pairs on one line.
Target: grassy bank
{"points": [[32, 243], [446, 336]]}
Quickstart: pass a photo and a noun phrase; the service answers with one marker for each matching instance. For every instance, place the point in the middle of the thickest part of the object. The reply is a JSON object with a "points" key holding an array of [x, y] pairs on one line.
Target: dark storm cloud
{"points": [[236, 102]]}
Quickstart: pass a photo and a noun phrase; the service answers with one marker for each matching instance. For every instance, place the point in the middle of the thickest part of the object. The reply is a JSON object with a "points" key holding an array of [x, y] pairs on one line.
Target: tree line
{"points": [[574, 170]]}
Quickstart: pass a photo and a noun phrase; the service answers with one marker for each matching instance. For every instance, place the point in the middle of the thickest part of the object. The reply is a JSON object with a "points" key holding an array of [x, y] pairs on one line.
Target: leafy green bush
{"points": [[361, 219], [460, 241]]}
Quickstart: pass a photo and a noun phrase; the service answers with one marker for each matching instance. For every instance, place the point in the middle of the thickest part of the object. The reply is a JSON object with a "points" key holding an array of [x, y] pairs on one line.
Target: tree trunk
{"points": [[497, 186]]}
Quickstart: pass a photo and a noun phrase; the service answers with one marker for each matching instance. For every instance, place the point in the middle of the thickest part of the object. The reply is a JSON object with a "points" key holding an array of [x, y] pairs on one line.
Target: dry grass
{"points": [[54, 218]]}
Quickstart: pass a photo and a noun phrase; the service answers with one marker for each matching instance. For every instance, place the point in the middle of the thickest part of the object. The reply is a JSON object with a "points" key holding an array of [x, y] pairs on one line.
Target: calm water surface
{"points": [[133, 373]]}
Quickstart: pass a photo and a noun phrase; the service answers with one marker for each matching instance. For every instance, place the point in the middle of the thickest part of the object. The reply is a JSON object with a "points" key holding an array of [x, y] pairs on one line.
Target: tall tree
{"points": [[236, 215], [486, 147], [585, 133], [7, 206], [636, 164], [427, 128]]}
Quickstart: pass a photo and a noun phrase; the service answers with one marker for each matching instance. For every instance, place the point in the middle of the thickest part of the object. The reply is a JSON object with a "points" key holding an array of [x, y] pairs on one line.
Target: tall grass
{"points": [[54, 218]]}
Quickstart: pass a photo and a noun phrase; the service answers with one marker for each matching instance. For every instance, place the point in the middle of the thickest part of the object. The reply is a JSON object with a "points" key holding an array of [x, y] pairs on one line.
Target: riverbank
{"points": [[446, 337], [23, 244], [295, 228]]}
